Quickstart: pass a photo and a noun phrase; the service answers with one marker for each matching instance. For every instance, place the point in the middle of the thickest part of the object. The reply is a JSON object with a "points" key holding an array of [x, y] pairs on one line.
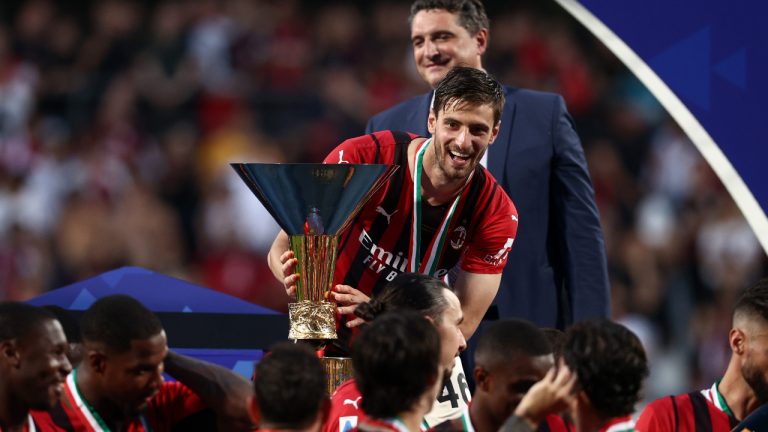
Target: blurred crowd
{"points": [[118, 120]]}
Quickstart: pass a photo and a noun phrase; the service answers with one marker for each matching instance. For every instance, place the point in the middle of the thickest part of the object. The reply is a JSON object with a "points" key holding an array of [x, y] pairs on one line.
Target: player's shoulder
{"points": [[660, 414]]}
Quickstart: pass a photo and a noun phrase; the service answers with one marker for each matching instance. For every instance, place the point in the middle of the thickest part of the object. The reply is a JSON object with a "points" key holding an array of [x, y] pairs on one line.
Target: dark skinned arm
{"points": [[222, 390]]}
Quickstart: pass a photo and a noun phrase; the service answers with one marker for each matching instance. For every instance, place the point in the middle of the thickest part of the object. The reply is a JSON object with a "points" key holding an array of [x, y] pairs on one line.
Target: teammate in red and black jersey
{"points": [[457, 216], [743, 388], [119, 383], [33, 364]]}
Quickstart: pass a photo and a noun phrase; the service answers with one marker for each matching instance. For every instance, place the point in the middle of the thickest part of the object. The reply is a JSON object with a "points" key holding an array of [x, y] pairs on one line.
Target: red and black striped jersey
{"points": [[173, 403], [704, 410], [376, 247]]}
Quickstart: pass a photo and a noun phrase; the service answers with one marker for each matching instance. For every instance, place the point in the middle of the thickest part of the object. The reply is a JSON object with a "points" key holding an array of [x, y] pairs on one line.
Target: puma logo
{"points": [[383, 212], [352, 402], [341, 157]]}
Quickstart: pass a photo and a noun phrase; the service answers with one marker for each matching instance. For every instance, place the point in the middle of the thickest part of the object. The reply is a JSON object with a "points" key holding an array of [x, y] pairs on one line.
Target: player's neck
{"points": [[436, 188], [738, 395], [481, 417], [91, 392], [13, 413]]}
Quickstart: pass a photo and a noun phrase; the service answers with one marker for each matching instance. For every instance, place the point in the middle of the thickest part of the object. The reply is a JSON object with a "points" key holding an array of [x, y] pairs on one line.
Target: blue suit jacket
{"points": [[556, 272]]}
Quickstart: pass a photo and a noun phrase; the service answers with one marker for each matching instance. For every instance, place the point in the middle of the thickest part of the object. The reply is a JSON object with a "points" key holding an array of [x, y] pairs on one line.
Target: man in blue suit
{"points": [[557, 272]]}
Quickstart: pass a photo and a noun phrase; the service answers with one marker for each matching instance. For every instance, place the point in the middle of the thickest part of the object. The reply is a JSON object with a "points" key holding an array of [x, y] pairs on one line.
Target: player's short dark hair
{"points": [[469, 87], [754, 301], [68, 322], [610, 364], [471, 13], [505, 339], [117, 320], [290, 385], [409, 291], [17, 320], [395, 360], [556, 338]]}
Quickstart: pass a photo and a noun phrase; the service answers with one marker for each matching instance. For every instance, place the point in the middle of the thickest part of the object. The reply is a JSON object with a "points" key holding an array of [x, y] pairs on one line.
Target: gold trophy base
{"points": [[338, 370], [312, 320]]}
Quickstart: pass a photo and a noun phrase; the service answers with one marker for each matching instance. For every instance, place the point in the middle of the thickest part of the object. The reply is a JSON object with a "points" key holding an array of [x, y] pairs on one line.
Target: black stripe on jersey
{"points": [[700, 412], [377, 159], [390, 201], [544, 427], [674, 410], [473, 201]]}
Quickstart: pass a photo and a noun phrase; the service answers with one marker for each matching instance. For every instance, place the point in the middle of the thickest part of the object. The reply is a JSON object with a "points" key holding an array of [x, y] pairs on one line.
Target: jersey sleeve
{"points": [[658, 416], [172, 404], [488, 251]]}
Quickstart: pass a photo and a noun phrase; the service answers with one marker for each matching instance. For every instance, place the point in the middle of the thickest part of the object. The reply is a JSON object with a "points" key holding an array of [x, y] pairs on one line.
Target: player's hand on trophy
{"points": [[348, 298], [290, 277]]}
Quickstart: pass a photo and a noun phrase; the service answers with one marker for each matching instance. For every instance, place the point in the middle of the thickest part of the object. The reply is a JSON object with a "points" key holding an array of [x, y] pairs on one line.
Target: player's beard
{"points": [[756, 380]]}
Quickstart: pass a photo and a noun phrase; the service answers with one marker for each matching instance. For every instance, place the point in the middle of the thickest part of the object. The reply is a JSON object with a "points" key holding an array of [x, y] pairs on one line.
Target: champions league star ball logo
{"points": [[458, 237]]}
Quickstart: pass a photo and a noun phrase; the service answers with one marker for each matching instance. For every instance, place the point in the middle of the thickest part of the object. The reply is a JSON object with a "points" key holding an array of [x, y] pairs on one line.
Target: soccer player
{"points": [[743, 388], [431, 298], [119, 384], [396, 362], [511, 357], [291, 393], [440, 209], [33, 364]]}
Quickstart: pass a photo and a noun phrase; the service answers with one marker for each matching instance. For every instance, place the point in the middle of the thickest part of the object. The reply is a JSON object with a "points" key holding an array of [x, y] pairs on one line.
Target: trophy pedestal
{"points": [[338, 370]]}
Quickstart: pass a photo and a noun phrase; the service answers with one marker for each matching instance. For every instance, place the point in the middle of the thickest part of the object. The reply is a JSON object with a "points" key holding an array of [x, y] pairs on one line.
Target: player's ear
{"points": [[481, 378], [9, 352], [431, 121], [495, 132]]}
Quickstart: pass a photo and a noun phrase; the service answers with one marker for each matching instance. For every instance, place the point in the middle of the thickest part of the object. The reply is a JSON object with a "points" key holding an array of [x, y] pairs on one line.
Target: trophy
{"points": [[314, 204]]}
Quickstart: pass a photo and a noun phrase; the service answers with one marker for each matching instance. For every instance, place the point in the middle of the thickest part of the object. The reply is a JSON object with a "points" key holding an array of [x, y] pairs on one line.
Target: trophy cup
{"points": [[314, 204]]}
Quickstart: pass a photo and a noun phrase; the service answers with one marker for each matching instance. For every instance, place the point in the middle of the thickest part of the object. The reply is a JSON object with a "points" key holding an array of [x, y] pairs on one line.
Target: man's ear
{"points": [[481, 40], [9, 352], [431, 121], [482, 379], [253, 409], [737, 339], [96, 360], [495, 132]]}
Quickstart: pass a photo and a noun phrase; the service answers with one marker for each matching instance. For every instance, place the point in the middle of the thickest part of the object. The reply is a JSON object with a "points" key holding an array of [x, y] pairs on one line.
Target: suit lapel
{"points": [[497, 153], [417, 118]]}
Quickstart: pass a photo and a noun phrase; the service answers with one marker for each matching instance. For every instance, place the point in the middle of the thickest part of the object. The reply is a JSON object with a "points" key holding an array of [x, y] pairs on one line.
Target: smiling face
{"points": [[440, 43], [42, 366], [461, 133], [132, 378]]}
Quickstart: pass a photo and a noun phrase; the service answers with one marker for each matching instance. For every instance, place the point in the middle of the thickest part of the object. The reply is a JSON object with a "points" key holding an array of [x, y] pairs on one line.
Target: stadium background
{"points": [[118, 119]]}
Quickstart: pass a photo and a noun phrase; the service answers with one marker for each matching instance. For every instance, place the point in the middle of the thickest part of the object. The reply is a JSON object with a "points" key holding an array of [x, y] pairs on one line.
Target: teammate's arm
{"points": [[220, 389], [283, 263], [475, 292]]}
